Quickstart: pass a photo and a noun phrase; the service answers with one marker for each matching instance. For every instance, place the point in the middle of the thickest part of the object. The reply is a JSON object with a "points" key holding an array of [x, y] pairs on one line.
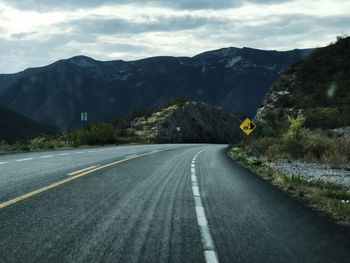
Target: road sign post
{"points": [[83, 116]]}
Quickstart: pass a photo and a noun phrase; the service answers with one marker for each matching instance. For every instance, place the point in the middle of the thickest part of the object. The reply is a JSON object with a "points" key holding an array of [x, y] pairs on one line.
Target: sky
{"points": [[38, 32]]}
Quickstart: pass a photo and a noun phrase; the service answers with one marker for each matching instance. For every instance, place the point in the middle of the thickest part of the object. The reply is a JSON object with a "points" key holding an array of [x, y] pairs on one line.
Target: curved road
{"points": [[154, 203]]}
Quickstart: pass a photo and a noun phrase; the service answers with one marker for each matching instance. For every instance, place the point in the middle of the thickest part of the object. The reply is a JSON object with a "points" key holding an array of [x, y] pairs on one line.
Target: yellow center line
{"points": [[64, 181], [83, 170], [131, 156]]}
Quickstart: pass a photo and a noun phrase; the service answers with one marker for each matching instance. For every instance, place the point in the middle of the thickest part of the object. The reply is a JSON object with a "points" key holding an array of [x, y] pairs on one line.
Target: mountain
{"points": [[15, 127], [233, 78], [318, 87], [180, 122]]}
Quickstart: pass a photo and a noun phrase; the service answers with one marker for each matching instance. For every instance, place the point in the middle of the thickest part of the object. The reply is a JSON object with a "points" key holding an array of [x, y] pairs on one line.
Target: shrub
{"points": [[294, 147], [40, 143], [293, 142], [259, 146], [300, 143], [295, 127], [275, 151], [95, 134], [16, 147], [49, 142], [265, 131], [4, 147], [324, 118], [274, 124]]}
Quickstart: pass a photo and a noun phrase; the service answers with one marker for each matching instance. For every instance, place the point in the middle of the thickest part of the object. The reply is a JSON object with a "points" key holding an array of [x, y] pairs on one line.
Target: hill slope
{"points": [[300, 143], [187, 122], [15, 127], [318, 87], [306, 113], [235, 79]]}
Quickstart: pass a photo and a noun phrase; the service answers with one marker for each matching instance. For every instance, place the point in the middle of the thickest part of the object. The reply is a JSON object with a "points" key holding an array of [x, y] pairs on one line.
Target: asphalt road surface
{"points": [[154, 203]]}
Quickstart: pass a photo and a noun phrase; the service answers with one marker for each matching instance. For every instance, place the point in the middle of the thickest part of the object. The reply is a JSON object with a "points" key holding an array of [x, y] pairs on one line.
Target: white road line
{"points": [[210, 256], [47, 156], [64, 154], [195, 190], [202, 221], [3, 163], [79, 152], [25, 159]]}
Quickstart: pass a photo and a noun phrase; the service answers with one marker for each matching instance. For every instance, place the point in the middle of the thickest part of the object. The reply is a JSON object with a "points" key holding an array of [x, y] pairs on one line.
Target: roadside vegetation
{"points": [[327, 197], [296, 125], [293, 141], [95, 134], [117, 131]]}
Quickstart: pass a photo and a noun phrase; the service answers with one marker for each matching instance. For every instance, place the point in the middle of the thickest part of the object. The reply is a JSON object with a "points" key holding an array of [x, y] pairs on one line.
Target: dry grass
{"points": [[327, 197], [309, 146]]}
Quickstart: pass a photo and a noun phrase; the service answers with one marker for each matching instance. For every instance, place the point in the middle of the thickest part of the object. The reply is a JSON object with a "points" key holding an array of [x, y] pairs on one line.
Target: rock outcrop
{"points": [[190, 122]]}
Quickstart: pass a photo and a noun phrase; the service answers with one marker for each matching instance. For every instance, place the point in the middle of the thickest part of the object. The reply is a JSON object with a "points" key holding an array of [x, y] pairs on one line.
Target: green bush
{"points": [[298, 142], [317, 147], [293, 143], [293, 147], [16, 147], [49, 142], [4, 146], [258, 146], [40, 143], [275, 124], [295, 129], [324, 118], [95, 134]]}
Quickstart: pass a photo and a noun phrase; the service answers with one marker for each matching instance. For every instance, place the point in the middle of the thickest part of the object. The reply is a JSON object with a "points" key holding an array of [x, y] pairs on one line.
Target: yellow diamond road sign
{"points": [[247, 126]]}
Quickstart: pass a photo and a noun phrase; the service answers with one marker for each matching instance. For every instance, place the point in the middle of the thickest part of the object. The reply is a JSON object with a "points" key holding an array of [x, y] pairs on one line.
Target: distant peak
{"points": [[83, 61], [222, 52], [81, 57]]}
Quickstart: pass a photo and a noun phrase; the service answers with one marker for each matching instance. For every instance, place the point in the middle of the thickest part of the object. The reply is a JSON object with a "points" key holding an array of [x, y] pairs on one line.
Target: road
{"points": [[154, 203]]}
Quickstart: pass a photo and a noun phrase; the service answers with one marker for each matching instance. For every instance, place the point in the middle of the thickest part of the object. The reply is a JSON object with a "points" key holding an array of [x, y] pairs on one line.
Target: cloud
{"points": [[110, 26], [22, 35], [35, 33], [45, 5]]}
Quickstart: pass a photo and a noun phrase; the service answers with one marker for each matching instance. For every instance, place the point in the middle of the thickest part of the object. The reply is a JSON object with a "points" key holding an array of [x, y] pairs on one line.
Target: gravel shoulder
{"points": [[314, 172]]}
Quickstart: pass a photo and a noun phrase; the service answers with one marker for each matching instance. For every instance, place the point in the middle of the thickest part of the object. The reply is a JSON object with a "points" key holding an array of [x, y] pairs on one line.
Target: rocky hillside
{"points": [[318, 87], [15, 127], [235, 79], [185, 122], [302, 141]]}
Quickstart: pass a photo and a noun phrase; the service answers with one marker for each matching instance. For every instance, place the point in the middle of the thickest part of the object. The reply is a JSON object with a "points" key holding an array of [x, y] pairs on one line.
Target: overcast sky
{"points": [[38, 32]]}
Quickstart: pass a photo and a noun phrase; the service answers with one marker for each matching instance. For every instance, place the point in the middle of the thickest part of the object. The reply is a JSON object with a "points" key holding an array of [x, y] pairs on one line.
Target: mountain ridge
{"points": [[232, 78]]}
